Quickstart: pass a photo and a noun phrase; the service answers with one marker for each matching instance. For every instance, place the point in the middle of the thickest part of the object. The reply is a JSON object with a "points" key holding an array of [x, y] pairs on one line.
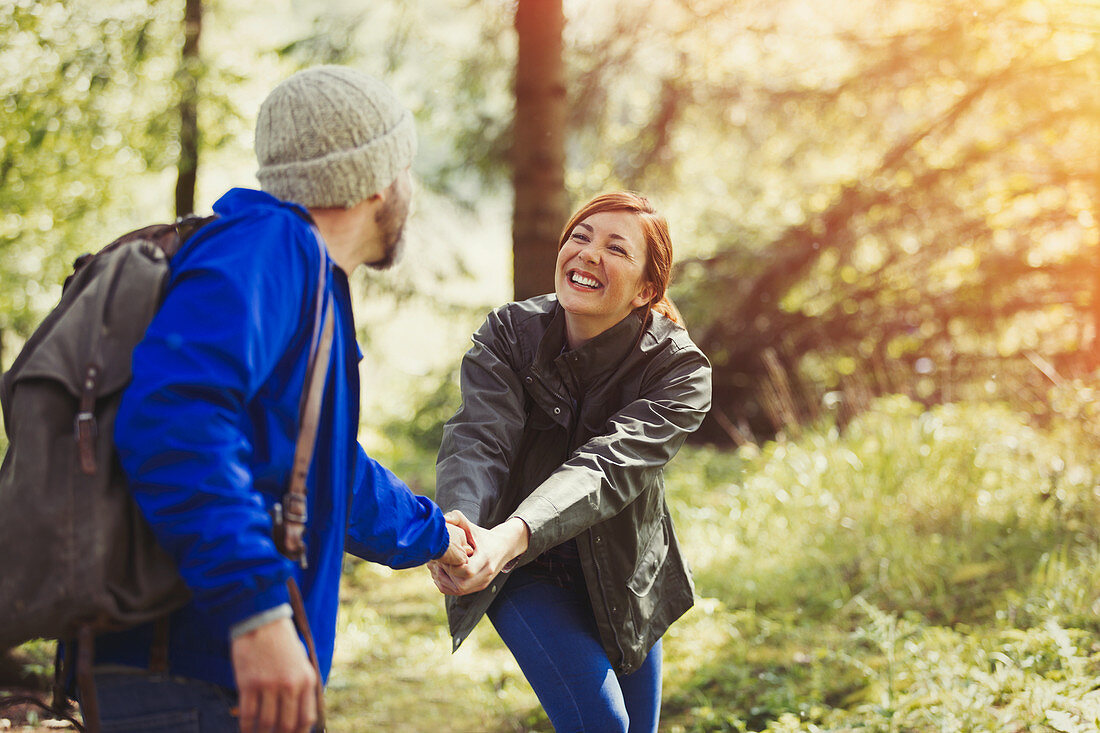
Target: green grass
{"points": [[924, 571], [921, 571]]}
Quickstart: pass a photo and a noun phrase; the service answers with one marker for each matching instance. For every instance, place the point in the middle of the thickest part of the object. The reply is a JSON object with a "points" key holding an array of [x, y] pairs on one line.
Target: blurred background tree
{"points": [[188, 76], [540, 206]]}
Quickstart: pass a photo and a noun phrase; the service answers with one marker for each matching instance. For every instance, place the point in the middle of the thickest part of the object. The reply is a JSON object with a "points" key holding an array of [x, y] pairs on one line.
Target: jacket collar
{"points": [[238, 200], [596, 356]]}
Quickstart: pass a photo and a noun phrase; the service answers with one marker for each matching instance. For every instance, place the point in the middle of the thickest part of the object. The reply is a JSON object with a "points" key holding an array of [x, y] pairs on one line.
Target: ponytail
{"points": [[668, 309]]}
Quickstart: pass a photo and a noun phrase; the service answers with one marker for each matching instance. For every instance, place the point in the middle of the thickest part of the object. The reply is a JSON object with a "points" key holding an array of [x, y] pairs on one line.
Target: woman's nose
{"points": [[589, 254]]}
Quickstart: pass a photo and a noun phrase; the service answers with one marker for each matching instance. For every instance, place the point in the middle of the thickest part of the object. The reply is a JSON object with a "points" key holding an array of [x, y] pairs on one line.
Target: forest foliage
{"points": [[899, 197]]}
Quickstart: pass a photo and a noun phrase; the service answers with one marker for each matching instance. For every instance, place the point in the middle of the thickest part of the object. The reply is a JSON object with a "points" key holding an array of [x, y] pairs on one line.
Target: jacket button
{"points": [[557, 410], [528, 380], [598, 539], [493, 589], [614, 609]]}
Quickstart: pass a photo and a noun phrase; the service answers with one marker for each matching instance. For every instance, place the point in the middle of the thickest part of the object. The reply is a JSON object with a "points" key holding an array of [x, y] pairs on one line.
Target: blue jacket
{"points": [[206, 432]]}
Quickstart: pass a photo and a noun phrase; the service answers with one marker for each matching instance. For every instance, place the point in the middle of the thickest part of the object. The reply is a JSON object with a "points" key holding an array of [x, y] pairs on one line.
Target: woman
{"points": [[572, 406]]}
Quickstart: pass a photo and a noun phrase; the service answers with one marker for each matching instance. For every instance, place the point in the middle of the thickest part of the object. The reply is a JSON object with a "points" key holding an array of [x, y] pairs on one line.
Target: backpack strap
{"points": [[188, 225], [291, 515], [85, 679], [302, 624]]}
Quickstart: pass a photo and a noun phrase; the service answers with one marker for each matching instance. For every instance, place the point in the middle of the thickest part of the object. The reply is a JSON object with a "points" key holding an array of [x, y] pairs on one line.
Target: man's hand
{"points": [[457, 555], [276, 682], [492, 550], [462, 544]]}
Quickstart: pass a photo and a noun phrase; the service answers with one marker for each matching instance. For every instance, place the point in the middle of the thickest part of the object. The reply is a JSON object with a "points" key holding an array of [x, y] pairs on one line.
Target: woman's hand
{"points": [[493, 549]]}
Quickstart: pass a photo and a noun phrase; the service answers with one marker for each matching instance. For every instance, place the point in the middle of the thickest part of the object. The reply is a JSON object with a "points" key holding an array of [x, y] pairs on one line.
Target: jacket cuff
{"points": [[442, 544], [230, 616], [470, 509], [541, 518], [260, 619]]}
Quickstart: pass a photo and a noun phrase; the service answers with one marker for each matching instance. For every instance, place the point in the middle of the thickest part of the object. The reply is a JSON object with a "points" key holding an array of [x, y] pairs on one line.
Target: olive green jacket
{"points": [[575, 444]]}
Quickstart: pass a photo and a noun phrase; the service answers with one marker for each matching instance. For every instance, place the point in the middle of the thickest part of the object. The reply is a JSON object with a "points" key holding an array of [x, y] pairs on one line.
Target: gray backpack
{"points": [[76, 548]]}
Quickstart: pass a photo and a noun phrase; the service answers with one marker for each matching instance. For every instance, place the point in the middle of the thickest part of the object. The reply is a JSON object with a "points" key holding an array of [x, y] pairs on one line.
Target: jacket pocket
{"points": [[650, 560]]}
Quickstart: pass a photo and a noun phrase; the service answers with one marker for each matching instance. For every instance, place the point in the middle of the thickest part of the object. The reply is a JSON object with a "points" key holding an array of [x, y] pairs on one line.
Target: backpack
{"points": [[78, 556], [76, 548]]}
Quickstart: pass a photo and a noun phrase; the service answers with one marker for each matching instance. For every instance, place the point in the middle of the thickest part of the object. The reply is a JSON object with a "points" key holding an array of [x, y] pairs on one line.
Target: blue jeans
{"points": [[140, 702], [552, 634]]}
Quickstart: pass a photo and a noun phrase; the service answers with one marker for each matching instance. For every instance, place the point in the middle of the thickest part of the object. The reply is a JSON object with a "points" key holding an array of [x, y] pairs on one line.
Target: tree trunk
{"points": [[188, 109], [538, 149]]}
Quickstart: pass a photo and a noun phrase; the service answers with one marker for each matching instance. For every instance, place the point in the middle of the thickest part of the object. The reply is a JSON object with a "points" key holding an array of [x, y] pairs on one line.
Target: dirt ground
{"points": [[25, 716]]}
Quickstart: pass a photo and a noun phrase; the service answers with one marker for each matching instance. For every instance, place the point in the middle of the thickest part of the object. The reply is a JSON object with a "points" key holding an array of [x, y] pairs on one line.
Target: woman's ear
{"points": [[644, 296]]}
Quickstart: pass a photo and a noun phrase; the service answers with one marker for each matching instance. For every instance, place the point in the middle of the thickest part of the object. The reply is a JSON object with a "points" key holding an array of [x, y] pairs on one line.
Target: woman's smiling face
{"points": [[600, 275]]}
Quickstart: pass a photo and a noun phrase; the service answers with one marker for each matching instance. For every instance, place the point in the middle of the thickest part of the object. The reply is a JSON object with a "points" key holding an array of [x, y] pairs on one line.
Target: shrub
{"points": [[922, 570]]}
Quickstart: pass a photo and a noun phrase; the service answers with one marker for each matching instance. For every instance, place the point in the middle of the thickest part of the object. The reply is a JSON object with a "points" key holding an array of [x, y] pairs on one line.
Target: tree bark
{"points": [[190, 65], [538, 148]]}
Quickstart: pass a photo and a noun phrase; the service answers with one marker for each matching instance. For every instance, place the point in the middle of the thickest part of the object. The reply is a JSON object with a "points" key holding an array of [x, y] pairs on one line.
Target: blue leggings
{"points": [[552, 634]]}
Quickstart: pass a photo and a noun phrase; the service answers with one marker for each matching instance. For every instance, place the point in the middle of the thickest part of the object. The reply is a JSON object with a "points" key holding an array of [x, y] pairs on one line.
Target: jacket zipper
{"points": [[574, 424]]}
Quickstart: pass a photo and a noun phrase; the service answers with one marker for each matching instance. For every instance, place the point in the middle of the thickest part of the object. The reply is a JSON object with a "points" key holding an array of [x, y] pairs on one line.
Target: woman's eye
{"points": [[580, 237], [618, 249]]}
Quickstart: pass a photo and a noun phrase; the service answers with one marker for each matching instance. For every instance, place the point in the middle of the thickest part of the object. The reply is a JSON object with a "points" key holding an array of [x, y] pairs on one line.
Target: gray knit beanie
{"points": [[330, 136]]}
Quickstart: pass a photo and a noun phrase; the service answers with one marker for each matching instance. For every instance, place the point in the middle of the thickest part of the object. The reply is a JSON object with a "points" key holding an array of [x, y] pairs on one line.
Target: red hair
{"points": [[658, 243]]}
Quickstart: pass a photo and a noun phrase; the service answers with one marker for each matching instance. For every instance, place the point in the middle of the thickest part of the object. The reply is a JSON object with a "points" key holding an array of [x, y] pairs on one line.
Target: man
{"points": [[206, 428]]}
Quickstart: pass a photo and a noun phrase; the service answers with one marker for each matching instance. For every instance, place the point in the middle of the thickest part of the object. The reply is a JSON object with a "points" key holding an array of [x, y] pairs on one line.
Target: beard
{"points": [[391, 225]]}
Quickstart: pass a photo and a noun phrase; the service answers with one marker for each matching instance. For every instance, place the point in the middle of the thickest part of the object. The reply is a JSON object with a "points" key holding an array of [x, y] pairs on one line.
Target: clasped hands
{"points": [[486, 552]]}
